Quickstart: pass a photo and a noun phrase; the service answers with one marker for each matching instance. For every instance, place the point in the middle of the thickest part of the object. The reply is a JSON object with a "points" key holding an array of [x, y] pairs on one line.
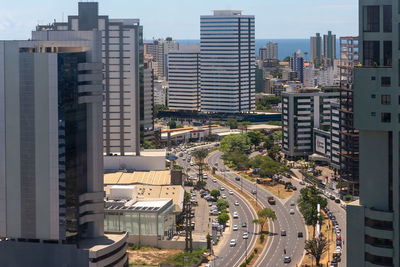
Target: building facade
{"points": [[121, 106], [227, 51], [297, 65], [330, 47], [270, 51], [302, 111], [51, 186], [184, 80], [316, 49], [373, 222]]}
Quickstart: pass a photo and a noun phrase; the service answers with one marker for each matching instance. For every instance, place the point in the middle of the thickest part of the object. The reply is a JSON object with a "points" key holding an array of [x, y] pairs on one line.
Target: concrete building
{"points": [[297, 65], [227, 86], [302, 111], [316, 49], [270, 51], [147, 103], [121, 104], [160, 93], [348, 58], [51, 187], [373, 222], [184, 80], [159, 49], [330, 47]]}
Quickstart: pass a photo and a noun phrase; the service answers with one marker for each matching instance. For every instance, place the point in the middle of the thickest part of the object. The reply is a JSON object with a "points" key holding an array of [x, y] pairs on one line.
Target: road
{"points": [[273, 254], [226, 255]]}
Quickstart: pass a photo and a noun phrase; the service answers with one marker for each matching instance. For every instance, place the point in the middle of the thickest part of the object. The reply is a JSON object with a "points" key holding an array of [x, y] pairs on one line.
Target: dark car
{"points": [[300, 234], [338, 243], [337, 200], [244, 224], [283, 232], [294, 188], [287, 259], [332, 197], [336, 260]]}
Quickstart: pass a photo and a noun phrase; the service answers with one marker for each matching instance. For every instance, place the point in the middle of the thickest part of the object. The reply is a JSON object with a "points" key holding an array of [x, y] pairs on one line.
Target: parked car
{"points": [[223, 196], [337, 200]]}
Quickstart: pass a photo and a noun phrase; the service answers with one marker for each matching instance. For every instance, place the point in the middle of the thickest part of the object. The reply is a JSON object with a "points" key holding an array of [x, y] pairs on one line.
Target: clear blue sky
{"points": [[181, 18]]}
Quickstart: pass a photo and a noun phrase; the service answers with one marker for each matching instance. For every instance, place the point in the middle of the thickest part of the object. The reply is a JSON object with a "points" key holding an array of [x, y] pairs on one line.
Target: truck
{"points": [[271, 200]]}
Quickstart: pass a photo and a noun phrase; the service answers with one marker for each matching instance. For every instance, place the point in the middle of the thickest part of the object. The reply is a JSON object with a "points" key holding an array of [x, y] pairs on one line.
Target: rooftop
{"points": [[138, 177]]}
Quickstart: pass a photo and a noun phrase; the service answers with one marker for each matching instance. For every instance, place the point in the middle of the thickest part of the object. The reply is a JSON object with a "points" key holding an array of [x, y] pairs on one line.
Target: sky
{"points": [[180, 19]]}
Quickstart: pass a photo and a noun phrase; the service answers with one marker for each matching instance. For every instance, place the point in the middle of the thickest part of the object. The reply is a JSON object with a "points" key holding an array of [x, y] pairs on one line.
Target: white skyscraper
{"points": [[184, 80], [227, 55]]}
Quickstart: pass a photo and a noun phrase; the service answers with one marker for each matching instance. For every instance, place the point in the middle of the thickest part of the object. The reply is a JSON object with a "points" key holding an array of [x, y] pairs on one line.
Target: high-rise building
{"points": [[51, 165], [227, 62], [121, 74], [184, 80], [348, 58], [272, 50], [297, 65], [159, 49], [373, 222], [302, 111], [316, 49], [147, 103], [330, 47]]}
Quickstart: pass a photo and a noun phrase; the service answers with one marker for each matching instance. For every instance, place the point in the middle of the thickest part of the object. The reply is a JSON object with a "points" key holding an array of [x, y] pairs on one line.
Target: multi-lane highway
{"points": [[276, 245], [227, 255]]}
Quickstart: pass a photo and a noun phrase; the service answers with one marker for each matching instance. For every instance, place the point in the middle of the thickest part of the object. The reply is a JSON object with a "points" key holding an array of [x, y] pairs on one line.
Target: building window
{"points": [[387, 53], [385, 100], [387, 18], [377, 224], [378, 242], [373, 96], [373, 78], [373, 114], [371, 19], [378, 260], [385, 81], [386, 117], [371, 53]]}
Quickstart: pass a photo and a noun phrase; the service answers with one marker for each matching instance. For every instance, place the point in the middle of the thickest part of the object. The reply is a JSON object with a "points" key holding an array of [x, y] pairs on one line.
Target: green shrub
{"points": [[262, 238]]}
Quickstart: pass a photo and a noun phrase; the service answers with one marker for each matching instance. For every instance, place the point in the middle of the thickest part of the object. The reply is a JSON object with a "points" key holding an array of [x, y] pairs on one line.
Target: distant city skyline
{"points": [[175, 18]]}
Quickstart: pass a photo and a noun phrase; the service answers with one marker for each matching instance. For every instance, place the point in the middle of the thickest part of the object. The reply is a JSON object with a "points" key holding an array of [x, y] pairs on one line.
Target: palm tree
{"points": [[316, 247], [200, 155], [263, 216]]}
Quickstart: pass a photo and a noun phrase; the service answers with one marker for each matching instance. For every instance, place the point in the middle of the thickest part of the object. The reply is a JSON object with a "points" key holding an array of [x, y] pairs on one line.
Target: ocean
{"points": [[285, 46]]}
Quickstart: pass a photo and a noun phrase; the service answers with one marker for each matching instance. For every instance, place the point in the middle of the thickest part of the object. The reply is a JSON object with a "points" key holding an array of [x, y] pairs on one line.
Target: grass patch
{"points": [[192, 258]]}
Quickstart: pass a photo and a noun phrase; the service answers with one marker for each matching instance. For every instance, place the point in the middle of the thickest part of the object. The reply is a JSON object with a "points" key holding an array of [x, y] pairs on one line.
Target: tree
{"points": [[223, 218], [172, 124], [215, 193], [263, 216], [208, 237], [273, 152], [288, 185], [245, 124], [235, 142], [158, 107], [255, 137], [222, 204], [148, 145], [316, 247], [233, 124], [200, 155], [239, 160]]}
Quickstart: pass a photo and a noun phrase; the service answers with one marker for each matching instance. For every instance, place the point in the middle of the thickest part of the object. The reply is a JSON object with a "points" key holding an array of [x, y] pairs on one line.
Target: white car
{"points": [[191, 163], [236, 203], [214, 180], [232, 243], [230, 192], [235, 215], [291, 211], [245, 235], [223, 196], [222, 188], [235, 228]]}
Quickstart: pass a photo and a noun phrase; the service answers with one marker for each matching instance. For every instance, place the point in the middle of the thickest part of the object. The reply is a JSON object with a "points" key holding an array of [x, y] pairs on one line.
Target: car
{"points": [[291, 211], [300, 234], [236, 203], [232, 243], [222, 188], [245, 235], [205, 176], [235, 228], [223, 196], [287, 259], [302, 183], [292, 203], [338, 237], [338, 243], [337, 200], [254, 191], [214, 180], [237, 178], [336, 260], [332, 197], [207, 265], [260, 151], [230, 192], [235, 215], [283, 232], [191, 164], [244, 224], [339, 248]]}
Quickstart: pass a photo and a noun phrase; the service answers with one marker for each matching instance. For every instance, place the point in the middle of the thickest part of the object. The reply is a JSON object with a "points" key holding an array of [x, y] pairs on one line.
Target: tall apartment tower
{"points": [[159, 49], [120, 56], [316, 49], [227, 62], [147, 102], [330, 47], [297, 64], [51, 165], [373, 222], [184, 80], [272, 50]]}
